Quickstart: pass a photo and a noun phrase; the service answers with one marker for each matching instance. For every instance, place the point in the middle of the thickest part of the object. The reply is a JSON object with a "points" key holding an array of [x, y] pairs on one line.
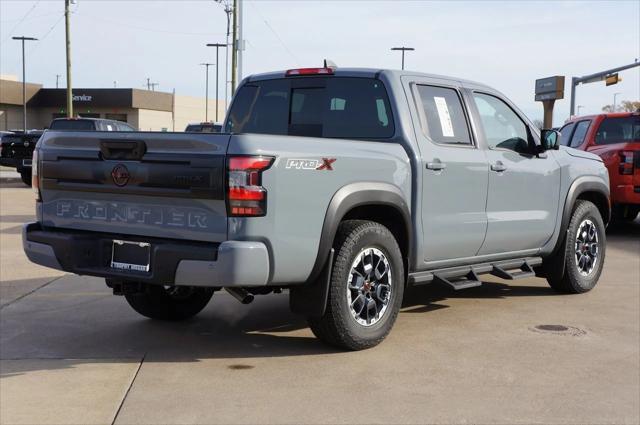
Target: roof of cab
{"points": [[365, 72]]}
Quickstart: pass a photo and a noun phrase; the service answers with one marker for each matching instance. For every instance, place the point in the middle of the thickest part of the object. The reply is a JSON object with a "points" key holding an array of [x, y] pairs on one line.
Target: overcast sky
{"points": [[504, 44]]}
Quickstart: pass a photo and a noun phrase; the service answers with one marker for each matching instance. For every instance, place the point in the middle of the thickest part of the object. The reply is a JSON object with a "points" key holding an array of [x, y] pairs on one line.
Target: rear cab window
{"points": [[330, 107], [619, 130], [446, 120], [75, 125]]}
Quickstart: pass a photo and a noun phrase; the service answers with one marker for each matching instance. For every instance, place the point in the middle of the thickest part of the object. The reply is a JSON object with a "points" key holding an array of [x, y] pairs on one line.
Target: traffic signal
{"points": [[612, 79]]}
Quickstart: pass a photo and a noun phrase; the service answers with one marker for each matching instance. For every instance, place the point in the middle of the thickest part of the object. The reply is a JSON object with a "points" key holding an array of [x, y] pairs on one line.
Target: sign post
{"points": [[547, 91]]}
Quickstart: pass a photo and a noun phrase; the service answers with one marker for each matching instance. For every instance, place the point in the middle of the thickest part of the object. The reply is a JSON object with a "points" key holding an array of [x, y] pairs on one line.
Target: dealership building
{"points": [[145, 110]]}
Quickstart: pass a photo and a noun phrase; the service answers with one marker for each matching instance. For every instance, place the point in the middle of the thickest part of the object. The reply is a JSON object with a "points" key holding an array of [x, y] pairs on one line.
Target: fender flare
{"points": [[311, 298], [351, 196], [554, 266]]}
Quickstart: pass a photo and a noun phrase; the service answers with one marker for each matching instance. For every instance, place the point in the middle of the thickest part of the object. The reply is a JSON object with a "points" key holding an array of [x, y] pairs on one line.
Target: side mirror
{"points": [[550, 139]]}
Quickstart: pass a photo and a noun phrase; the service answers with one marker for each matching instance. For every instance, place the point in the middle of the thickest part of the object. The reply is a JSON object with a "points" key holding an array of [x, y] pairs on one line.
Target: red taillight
{"points": [[245, 196], [35, 175], [626, 163], [309, 71]]}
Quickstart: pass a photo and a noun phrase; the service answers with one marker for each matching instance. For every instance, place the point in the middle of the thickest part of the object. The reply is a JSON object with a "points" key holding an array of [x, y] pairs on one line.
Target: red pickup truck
{"points": [[615, 137]]}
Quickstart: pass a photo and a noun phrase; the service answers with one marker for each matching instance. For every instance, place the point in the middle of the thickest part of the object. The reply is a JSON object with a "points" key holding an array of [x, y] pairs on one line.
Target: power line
{"points": [[20, 21], [109, 21], [276, 34]]}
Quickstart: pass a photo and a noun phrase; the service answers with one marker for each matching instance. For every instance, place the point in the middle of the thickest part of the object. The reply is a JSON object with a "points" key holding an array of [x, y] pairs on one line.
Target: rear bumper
{"points": [[18, 163], [228, 264]]}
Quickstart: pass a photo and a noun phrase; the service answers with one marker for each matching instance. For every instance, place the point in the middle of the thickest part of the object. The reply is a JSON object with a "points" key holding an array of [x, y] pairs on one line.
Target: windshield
{"points": [[336, 107], [619, 130], [72, 125]]}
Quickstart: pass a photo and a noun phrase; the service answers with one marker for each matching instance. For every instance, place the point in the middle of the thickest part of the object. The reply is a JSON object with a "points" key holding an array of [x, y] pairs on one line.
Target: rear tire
{"points": [[170, 303], [366, 287], [585, 250], [25, 175]]}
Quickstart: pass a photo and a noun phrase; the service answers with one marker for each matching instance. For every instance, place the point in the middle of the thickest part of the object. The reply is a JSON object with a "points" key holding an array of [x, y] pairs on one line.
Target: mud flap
{"points": [[310, 299], [553, 266]]}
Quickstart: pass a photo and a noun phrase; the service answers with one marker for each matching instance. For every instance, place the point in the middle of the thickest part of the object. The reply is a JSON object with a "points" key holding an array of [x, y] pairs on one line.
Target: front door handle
{"points": [[498, 167], [436, 165]]}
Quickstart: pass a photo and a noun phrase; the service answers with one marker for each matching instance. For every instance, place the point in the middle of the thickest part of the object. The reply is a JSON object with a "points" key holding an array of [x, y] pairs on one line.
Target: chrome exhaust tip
{"points": [[240, 294]]}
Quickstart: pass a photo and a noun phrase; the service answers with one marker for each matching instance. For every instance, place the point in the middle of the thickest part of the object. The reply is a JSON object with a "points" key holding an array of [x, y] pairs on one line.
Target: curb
{"points": [[10, 177]]}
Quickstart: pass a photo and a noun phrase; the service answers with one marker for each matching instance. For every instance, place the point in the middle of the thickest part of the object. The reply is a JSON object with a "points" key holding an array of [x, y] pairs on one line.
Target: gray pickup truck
{"points": [[343, 186]]}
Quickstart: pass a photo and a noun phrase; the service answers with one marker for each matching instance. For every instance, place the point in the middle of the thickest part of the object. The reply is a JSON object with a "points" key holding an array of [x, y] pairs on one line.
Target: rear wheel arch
{"points": [[383, 203]]}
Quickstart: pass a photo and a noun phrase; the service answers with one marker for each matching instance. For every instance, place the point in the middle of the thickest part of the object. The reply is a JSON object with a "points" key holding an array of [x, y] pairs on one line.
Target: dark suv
{"points": [[16, 151]]}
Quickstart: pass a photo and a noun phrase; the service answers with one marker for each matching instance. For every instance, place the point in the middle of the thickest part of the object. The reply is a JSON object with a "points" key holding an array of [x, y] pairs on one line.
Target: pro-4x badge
{"points": [[311, 164]]}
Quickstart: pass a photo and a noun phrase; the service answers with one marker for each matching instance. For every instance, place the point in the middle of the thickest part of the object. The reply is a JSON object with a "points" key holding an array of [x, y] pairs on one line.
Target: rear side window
{"points": [[565, 134], [446, 120], [332, 107], [579, 133], [619, 130], [75, 125]]}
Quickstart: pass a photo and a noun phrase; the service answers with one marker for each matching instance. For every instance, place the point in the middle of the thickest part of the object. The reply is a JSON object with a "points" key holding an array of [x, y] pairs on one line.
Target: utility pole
{"points": [[217, 46], [228, 10], [148, 83], [153, 86], [115, 84], [67, 24], [614, 101], [57, 78], [24, 82], [206, 92], [403, 49], [234, 48], [240, 43]]}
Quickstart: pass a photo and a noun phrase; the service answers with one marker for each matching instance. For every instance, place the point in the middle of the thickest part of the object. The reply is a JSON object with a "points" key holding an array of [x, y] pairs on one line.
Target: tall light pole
{"points": [[403, 49], [67, 32], [24, 82], [206, 90], [217, 46], [57, 79], [614, 101]]}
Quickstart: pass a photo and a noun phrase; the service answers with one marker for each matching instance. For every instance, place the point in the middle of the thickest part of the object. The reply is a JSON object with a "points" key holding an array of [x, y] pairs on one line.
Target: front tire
{"points": [[584, 250], [366, 287], [170, 303], [25, 175]]}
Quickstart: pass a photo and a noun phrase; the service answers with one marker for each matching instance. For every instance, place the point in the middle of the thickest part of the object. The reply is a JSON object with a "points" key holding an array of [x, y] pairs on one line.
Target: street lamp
{"points": [[24, 82], [206, 90], [217, 46], [614, 101], [403, 49]]}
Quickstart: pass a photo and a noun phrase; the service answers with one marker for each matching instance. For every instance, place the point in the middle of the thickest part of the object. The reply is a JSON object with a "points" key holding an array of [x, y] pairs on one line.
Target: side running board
{"points": [[464, 277], [470, 280]]}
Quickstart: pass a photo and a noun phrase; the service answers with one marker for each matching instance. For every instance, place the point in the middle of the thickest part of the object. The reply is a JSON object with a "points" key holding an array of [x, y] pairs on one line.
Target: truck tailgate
{"points": [[168, 185]]}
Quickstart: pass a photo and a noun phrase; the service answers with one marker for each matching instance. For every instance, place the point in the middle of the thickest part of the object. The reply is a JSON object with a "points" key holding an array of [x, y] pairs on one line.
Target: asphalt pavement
{"points": [[70, 352]]}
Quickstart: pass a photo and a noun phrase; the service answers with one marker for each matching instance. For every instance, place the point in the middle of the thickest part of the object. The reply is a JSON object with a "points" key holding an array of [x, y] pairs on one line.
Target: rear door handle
{"points": [[498, 167], [436, 165]]}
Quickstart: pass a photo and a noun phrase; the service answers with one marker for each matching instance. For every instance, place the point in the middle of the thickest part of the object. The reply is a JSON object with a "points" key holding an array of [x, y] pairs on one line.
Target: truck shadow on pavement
{"points": [[78, 318]]}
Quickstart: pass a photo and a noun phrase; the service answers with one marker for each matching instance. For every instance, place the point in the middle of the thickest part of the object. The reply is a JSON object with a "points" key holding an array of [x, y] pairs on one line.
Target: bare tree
{"points": [[630, 105], [624, 106]]}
